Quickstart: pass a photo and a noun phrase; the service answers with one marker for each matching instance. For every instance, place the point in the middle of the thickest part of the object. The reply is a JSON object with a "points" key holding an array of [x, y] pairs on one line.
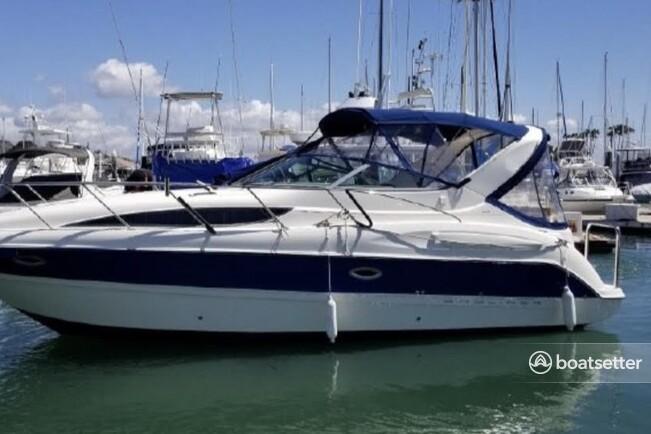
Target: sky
{"points": [[64, 58]]}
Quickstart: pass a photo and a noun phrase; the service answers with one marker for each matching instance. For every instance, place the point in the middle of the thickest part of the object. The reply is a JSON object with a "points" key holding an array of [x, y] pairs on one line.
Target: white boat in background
{"points": [[587, 187], [197, 153], [584, 185], [394, 220], [44, 166]]}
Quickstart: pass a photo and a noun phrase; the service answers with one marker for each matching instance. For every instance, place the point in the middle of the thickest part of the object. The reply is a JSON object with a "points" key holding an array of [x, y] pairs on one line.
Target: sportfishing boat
{"points": [[199, 153], [393, 220], [634, 170], [45, 165], [587, 187], [584, 185]]}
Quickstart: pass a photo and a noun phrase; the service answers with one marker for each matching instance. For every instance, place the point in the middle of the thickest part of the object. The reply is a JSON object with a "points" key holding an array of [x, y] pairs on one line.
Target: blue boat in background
{"points": [[196, 153], [207, 171]]}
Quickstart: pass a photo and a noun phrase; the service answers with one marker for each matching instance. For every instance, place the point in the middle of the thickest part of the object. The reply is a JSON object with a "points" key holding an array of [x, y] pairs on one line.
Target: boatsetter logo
{"points": [[540, 362]]}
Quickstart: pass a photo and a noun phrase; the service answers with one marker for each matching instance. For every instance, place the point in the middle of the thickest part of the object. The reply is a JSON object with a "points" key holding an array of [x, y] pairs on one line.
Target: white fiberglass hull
{"points": [[589, 200], [79, 305]]}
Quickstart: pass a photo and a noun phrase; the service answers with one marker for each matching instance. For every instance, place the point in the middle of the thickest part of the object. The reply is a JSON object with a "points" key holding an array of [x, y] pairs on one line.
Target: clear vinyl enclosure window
{"points": [[401, 156], [535, 196]]}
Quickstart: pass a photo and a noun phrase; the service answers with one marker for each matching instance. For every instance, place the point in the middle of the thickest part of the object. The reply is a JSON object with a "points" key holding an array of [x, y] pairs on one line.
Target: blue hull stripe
{"points": [[294, 272]]}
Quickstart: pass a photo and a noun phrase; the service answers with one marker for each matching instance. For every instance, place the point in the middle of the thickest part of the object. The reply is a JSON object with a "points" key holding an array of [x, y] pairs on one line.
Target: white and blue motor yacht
{"points": [[393, 220]]}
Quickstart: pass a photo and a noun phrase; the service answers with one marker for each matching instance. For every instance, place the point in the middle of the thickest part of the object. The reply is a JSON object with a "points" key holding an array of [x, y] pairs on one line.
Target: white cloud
{"points": [[4, 109], [111, 79], [57, 92], [87, 125], [255, 117], [519, 118], [571, 123]]}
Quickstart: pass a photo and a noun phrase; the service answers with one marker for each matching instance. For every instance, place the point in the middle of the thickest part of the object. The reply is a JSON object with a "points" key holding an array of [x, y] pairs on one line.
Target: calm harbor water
{"points": [[461, 383]]}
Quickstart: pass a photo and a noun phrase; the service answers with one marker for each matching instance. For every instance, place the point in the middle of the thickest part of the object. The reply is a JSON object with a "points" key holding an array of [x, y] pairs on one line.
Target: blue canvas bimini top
{"points": [[350, 121]]}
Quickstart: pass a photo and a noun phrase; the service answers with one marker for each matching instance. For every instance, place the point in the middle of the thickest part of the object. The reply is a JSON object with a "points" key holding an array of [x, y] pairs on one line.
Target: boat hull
{"points": [[110, 305], [588, 206]]}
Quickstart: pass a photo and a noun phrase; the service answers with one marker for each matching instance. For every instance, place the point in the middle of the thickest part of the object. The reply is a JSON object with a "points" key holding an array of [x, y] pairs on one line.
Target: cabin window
{"points": [[180, 217], [535, 196]]}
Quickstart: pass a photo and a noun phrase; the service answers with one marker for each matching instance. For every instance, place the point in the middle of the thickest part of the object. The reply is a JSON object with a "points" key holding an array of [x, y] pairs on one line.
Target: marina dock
{"points": [[639, 226]]}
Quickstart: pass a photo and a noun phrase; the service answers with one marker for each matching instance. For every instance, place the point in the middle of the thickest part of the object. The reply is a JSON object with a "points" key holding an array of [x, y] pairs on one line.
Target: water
{"points": [[463, 383]]}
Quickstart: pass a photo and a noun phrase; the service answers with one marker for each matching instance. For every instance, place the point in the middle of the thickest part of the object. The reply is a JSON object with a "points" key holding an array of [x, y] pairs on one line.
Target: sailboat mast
{"points": [[475, 13], [558, 107], [359, 43], [643, 129], [329, 74], [380, 66], [495, 62], [271, 97], [560, 90], [607, 161], [464, 66], [484, 58], [301, 106], [140, 144], [508, 95], [533, 116], [408, 64]]}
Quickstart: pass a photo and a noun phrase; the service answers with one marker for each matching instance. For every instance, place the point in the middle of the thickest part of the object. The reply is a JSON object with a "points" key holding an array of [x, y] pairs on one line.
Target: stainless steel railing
{"points": [[618, 235]]}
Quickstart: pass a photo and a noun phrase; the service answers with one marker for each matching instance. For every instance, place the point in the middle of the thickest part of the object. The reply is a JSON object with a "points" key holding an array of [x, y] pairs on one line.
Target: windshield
{"points": [[596, 176], [401, 156]]}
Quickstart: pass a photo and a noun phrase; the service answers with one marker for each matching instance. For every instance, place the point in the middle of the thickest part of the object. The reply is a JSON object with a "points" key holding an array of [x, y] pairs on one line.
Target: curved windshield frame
{"points": [[531, 194], [400, 156]]}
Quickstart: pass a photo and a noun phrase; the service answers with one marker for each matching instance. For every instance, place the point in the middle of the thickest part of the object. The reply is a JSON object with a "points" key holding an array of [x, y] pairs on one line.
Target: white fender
{"points": [[332, 319], [569, 308]]}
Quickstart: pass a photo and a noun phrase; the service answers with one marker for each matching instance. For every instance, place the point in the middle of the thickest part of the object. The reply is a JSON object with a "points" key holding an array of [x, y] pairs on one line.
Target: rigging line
{"points": [[126, 61], [447, 55], [235, 65], [124, 51], [160, 105], [409, 201], [495, 62]]}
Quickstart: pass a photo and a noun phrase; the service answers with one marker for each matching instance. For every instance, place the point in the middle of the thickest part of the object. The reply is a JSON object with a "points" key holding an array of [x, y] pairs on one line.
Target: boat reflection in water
{"points": [[467, 382]]}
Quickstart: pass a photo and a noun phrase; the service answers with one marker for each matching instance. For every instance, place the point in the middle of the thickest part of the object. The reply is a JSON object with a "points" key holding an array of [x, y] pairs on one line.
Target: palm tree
{"points": [[619, 130]]}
